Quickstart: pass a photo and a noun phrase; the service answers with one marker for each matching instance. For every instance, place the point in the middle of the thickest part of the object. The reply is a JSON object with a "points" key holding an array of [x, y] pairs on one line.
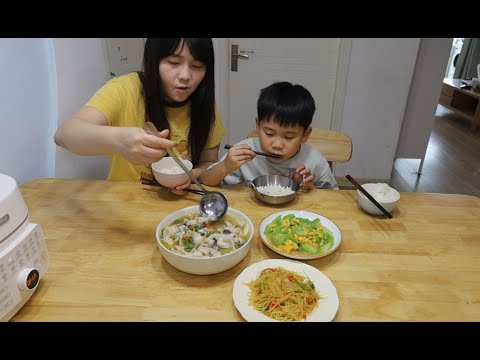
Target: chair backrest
{"points": [[335, 146]]}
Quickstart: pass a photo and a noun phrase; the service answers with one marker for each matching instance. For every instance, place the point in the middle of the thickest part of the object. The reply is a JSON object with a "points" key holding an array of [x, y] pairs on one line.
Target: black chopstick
{"points": [[258, 152], [370, 197], [155, 183]]}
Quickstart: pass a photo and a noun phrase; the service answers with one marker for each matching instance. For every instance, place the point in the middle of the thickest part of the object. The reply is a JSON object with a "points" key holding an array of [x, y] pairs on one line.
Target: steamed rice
{"points": [[174, 170], [382, 192], [275, 190]]}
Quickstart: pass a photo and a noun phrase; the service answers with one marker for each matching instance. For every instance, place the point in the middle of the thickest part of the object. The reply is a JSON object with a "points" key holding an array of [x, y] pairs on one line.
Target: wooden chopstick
{"points": [[154, 182], [258, 152], [370, 197]]}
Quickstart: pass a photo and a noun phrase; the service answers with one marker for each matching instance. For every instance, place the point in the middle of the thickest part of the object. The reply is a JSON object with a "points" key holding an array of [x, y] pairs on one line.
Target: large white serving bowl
{"points": [[208, 265], [170, 180], [370, 207]]}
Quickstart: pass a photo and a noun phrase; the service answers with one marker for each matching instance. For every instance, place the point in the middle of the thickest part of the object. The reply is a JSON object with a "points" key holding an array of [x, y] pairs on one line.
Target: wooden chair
{"points": [[335, 146]]}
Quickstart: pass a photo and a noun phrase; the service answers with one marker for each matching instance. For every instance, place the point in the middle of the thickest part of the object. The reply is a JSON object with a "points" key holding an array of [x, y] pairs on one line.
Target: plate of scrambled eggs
{"points": [[300, 235]]}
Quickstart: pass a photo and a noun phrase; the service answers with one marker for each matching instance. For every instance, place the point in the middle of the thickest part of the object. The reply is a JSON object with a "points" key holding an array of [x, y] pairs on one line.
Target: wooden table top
{"points": [[422, 265]]}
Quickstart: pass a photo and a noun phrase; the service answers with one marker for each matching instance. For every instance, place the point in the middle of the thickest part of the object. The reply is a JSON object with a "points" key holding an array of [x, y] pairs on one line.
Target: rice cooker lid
{"points": [[13, 209], [7, 186]]}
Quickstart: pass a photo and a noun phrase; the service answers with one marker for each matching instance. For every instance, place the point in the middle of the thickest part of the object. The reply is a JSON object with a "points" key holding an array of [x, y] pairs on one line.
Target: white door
{"points": [[312, 63]]}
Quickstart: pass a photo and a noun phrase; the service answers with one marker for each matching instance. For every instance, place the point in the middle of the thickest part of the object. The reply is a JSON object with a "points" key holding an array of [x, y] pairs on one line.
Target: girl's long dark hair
{"points": [[202, 99]]}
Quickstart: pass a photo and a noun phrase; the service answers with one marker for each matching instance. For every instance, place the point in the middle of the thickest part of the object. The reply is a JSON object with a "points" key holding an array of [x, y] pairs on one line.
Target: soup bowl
{"points": [[187, 261]]}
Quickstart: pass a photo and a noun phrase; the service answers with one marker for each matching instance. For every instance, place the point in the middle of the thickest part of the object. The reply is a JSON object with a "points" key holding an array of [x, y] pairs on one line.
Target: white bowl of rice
{"points": [[275, 189], [169, 174], [385, 195]]}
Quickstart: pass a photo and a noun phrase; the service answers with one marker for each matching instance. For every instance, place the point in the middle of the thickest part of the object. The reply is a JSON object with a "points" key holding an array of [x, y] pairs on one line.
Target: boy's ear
{"points": [[257, 125], [306, 134]]}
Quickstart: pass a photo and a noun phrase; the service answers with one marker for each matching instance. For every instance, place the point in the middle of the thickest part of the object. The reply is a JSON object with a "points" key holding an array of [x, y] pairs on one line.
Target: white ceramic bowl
{"points": [[369, 207], [206, 265], [170, 180]]}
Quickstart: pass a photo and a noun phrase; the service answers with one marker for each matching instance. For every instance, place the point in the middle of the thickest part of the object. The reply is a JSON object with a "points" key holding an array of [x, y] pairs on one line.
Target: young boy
{"points": [[284, 115]]}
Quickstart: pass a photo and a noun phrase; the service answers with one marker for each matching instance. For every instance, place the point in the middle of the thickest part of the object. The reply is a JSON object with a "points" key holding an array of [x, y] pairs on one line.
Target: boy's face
{"points": [[280, 140]]}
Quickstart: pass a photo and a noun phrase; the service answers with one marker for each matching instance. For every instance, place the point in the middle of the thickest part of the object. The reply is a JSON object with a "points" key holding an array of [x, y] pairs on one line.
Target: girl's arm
{"points": [[87, 133], [207, 158]]}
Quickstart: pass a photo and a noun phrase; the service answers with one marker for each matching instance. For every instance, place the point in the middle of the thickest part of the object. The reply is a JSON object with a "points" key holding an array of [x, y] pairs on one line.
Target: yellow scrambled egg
{"points": [[288, 246]]}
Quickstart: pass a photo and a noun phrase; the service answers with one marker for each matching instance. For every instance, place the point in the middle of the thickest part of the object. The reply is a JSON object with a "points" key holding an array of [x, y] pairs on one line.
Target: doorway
{"points": [[407, 170], [425, 89], [452, 59], [321, 65]]}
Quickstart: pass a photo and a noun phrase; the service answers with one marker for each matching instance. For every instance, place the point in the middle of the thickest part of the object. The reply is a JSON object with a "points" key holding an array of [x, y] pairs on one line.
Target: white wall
{"points": [[423, 97], [82, 68], [379, 76], [27, 108], [221, 90]]}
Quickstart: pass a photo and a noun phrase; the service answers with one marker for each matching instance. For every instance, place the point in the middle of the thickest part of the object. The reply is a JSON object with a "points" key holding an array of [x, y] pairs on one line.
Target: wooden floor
{"points": [[452, 160], [451, 165]]}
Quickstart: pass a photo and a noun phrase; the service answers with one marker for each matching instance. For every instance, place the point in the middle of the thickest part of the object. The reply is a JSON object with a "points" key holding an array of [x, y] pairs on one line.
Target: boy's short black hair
{"points": [[287, 104]]}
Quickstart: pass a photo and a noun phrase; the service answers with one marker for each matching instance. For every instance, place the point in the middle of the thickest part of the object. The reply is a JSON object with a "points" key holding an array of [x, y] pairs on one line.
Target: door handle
{"points": [[234, 55], [245, 56]]}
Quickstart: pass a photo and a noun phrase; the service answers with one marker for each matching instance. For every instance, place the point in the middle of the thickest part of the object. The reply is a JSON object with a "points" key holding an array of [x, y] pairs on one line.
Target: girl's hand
{"points": [[179, 189], [237, 156], [304, 176], [139, 147]]}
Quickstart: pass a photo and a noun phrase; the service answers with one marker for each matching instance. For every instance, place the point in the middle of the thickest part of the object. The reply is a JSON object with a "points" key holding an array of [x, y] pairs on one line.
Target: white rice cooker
{"points": [[23, 252]]}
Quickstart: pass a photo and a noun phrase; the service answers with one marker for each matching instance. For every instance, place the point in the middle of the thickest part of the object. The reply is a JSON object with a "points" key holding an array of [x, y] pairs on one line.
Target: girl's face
{"points": [[181, 74], [280, 140]]}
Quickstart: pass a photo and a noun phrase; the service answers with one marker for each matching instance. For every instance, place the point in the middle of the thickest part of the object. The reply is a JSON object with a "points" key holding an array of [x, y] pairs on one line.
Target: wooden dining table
{"points": [[105, 266]]}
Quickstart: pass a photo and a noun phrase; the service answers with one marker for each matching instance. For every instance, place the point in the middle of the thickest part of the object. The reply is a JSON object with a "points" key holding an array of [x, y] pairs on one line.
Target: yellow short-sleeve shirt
{"points": [[121, 102]]}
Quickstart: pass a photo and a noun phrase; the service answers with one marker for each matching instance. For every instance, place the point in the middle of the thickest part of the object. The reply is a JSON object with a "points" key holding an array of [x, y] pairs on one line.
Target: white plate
{"points": [[330, 225], [326, 309]]}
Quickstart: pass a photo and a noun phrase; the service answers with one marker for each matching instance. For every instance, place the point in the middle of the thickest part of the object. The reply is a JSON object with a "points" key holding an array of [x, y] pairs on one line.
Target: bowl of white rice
{"points": [[168, 173], [385, 195], [274, 189]]}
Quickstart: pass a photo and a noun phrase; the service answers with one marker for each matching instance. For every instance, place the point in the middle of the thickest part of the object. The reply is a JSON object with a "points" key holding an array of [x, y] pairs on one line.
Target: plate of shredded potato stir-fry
{"points": [[285, 290], [300, 234]]}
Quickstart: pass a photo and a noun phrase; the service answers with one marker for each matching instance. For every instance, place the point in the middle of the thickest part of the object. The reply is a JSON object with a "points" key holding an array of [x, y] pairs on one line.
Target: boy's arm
{"points": [[326, 180], [323, 176], [237, 156]]}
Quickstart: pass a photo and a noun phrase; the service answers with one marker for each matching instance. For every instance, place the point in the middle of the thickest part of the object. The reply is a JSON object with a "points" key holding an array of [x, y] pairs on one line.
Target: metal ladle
{"points": [[213, 204]]}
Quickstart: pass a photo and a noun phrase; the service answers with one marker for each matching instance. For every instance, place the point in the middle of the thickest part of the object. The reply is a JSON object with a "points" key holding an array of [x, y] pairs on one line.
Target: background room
{"points": [[383, 93]]}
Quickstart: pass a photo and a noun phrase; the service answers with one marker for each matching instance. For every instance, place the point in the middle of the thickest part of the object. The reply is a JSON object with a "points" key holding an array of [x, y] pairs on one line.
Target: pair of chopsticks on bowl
{"points": [[258, 152], [154, 182], [370, 197]]}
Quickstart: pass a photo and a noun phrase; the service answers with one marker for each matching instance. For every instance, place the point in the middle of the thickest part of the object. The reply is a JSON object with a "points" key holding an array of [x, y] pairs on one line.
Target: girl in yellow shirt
{"points": [[174, 90]]}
